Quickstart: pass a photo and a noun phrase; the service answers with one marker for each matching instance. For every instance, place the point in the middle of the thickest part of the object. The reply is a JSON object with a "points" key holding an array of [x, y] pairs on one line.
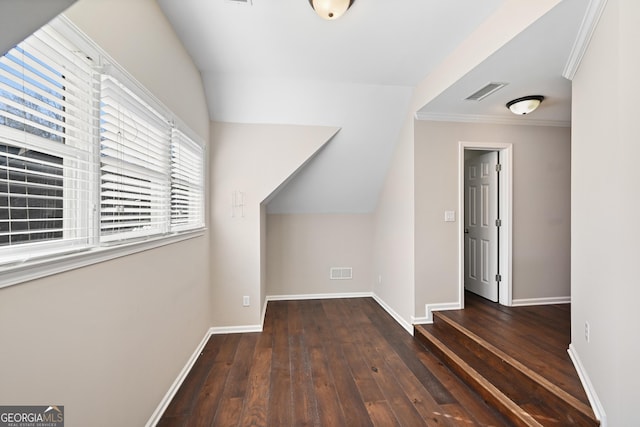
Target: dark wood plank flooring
{"points": [[536, 336], [341, 362]]}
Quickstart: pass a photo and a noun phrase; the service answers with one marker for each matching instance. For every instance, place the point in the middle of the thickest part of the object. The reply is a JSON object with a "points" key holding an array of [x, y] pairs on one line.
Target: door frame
{"points": [[505, 206]]}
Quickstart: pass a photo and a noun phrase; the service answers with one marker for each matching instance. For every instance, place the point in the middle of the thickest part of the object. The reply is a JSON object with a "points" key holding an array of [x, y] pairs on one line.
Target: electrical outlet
{"points": [[245, 301], [587, 332]]}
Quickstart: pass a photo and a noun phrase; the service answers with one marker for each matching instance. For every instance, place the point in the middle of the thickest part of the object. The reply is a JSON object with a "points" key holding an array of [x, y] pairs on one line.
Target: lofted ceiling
{"points": [[32, 14], [265, 61]]}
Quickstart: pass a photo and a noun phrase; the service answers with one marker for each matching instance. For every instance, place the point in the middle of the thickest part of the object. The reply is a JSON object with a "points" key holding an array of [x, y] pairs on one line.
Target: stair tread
{"points": [[472, 356], [490, 378], [484, 387], [542, 356], [544, 382]]}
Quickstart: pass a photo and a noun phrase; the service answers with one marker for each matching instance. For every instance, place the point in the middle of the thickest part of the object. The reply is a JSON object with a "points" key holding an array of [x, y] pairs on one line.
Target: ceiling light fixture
{"points": [[330, 9], [525, 105]]}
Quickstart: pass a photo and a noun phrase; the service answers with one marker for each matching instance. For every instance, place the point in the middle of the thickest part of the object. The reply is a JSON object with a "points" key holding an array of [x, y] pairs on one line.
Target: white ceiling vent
{"points": [[241, 2], [341, 273], [487, 90]]}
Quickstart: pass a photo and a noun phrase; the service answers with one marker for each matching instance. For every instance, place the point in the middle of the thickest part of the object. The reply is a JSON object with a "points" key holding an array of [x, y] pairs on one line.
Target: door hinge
{"points": [[498, 278], [498, 223], [498, 167]]}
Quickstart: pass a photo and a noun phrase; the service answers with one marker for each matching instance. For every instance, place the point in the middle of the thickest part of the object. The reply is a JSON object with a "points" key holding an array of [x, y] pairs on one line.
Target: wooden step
{"points": [[516, 391], [527, 384]]}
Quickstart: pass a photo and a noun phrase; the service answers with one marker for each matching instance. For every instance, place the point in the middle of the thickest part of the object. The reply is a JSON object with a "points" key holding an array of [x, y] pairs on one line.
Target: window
{"points": [[32, 196], [134, 165], [46, 108], [88, 159], [187, 183]]}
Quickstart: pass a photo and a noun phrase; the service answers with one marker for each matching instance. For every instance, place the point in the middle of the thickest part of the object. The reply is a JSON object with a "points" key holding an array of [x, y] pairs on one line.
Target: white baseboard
{"points": [[318, 296], [164, 403], [596, 405], [264, 311], [540, 301], [430, 308], [421, 320], [406, 325], [220, 330]]}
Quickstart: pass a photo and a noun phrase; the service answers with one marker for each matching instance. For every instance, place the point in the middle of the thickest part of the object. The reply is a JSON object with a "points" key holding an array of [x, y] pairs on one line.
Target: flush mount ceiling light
{"points": [[525, 105], [330, 9]]}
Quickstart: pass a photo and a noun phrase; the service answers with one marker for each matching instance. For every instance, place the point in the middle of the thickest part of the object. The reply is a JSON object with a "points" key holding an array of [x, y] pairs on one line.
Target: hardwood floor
{"points": [[537, 336], [515, 358], [342, 362]]}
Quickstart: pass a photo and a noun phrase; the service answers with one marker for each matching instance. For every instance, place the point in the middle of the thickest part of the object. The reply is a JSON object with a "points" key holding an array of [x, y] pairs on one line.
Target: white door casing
{"points": [[480, 228], [506, 214]]}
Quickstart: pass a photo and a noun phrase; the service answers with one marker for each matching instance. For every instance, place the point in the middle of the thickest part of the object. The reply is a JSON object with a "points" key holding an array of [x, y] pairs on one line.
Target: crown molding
{"points": [[588, 26], [487, 119]]}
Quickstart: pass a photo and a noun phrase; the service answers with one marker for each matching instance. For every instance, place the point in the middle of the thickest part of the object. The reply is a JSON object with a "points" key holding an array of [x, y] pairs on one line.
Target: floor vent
{"points": [[341, 273], [485, 91]]}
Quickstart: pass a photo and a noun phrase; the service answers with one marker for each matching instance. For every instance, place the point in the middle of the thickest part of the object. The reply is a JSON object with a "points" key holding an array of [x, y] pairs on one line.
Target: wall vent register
{"points": [[341, 273]]}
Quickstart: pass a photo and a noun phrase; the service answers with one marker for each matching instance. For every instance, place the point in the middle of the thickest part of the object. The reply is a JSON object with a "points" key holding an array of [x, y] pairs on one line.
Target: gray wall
{"points": [[541, 208], [115, 334], [605, 204]]}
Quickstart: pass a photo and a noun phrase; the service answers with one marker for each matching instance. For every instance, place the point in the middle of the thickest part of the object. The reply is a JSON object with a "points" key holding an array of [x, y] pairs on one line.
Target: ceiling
{"points": [[33, 14], [531, 64], [278, 62]]}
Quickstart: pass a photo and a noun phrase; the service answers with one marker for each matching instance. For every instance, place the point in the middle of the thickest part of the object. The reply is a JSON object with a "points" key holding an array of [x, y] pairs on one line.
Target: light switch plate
{"points": [[450, 216]]}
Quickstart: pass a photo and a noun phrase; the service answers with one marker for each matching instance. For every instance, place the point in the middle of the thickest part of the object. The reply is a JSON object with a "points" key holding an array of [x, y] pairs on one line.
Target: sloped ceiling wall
{"points": [[33, 15]]}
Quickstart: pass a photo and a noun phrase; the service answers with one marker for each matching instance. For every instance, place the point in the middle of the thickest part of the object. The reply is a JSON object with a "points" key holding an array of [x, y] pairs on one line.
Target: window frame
{"points": [[49, 73], [62, 257]]}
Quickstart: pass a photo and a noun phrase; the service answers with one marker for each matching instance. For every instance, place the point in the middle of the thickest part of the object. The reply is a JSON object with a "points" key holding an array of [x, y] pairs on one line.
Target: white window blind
{"points": [[134, 165], [187, 183], [47, 117], [89, 159]]}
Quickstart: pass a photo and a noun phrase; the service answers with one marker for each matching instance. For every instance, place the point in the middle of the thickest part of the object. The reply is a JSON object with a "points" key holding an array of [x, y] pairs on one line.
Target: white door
{"points": [[481, 230]]}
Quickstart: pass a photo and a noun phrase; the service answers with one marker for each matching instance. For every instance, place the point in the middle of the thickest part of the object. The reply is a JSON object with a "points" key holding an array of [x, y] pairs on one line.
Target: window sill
{"points": [[39, 268]]}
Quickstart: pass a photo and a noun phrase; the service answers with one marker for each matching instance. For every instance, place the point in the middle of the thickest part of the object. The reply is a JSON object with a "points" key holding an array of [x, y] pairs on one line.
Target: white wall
{"points": [[115, 334], [393, 245], [541, 208], [605, 204], [394, 236], [301, 248], [365, 114], [255, 160]]}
